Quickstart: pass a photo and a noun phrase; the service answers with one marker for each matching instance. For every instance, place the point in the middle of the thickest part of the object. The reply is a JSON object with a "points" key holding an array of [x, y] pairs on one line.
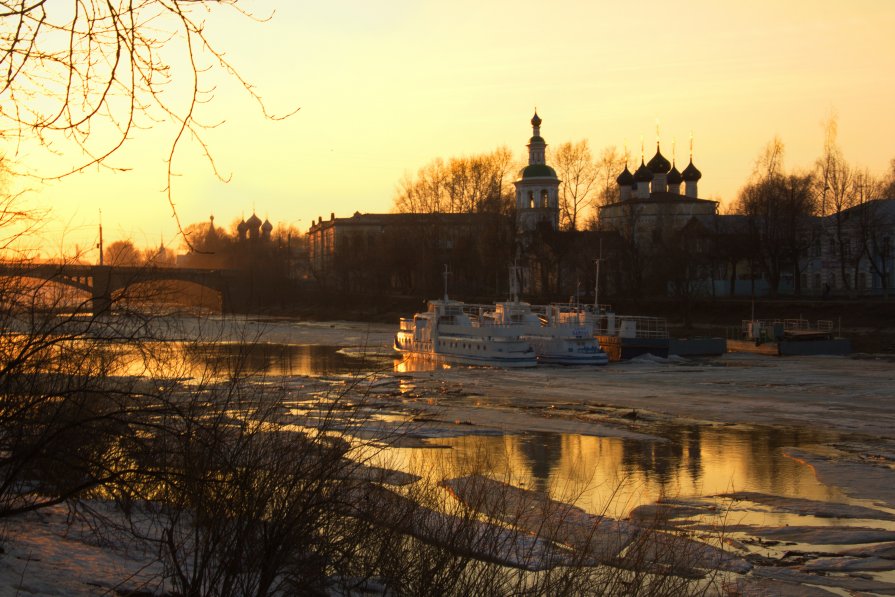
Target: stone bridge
{"points": [[102, 281]]}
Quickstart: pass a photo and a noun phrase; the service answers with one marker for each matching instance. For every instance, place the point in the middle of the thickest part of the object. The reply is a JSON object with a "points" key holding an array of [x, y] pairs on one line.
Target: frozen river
{"points": [[793, 457]]}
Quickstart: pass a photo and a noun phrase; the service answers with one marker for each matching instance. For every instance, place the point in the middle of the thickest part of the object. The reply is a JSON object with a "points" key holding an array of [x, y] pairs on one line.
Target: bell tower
{"points": [[537, 190]]}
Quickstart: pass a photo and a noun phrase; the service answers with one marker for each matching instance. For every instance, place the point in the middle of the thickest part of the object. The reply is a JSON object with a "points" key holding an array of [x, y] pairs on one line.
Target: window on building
{"points": [[545, 198], [531, 199]]}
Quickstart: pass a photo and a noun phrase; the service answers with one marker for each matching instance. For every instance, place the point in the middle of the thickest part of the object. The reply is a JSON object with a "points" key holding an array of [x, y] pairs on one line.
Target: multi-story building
{"points": [[406, 252], [852, 251]]}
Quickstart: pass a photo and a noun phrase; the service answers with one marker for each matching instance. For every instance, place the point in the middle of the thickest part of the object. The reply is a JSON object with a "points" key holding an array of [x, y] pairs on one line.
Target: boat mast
{"points": [[446, 273], [514, 283], [597, 288]]}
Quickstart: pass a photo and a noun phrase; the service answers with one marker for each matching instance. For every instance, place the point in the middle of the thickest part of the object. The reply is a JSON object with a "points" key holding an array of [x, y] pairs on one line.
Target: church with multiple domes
{"points": [[650, 203], [658, 176], [655, 204]]}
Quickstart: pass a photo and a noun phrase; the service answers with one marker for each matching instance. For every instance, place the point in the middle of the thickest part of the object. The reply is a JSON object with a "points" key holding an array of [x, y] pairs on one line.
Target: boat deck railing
{"points": [[632, 326], [766, 329]]}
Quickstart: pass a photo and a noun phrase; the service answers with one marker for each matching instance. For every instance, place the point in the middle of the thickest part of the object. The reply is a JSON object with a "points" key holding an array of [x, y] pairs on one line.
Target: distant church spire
{"points": [[691, 175], [537, 148]]}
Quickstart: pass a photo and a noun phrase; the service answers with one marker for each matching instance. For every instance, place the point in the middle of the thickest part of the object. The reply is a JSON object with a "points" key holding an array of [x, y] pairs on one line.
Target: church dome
{"points": [[659, 165], [538, 171], [674, 177], [643, 173], [625, 179], [253, 222], [536, 120], [267, 226], [241, 226], [690, 173]]}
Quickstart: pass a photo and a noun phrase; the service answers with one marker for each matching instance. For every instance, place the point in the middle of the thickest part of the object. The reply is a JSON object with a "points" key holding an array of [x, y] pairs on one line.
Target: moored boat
{"points": [[447, 332], [558, 333]]}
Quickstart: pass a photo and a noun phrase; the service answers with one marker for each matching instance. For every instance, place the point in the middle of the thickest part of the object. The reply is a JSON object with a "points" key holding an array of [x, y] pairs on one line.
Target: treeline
{"points": [[831, 211], [784, 225], [484, 183]]}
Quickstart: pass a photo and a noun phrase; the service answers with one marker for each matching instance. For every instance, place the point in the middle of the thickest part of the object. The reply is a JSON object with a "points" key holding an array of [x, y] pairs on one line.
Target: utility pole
{"points": [[100, 245], [597, 288]]}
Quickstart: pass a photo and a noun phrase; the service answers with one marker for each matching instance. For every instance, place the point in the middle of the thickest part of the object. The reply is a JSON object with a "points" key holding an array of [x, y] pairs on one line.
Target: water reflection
{"points": [[603, 472], [200, 360], [598, 473], [278, 359]]}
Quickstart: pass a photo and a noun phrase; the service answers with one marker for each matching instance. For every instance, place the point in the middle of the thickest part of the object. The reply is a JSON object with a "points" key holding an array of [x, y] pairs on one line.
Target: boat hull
{"points": [[469, 350], [571, 359]]}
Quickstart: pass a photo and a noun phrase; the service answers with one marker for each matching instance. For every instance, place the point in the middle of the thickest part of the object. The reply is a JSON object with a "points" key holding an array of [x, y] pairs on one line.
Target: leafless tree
{"points": [[870, 224], [479, 183], [609, 165], [578, 174], [89, 74], [888, 191], [836, 181], [778, 207], [122, 252]]}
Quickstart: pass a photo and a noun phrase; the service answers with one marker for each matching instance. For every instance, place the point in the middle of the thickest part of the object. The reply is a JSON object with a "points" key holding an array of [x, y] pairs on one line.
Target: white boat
{"points": [[559, 334], [448, 333]]}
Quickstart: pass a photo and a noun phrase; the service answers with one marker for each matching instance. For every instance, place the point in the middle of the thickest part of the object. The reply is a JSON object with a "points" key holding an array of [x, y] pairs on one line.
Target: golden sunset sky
{"points": [[385, 87]]}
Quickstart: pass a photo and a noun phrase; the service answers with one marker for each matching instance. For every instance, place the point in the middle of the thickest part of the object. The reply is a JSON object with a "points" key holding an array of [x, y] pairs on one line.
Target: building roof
{"points": [[662, 197], [674, 177], [625, 179], [537, 171], [878, 208], [643, 174], [658, 164], [690, 173], [406, 219]]}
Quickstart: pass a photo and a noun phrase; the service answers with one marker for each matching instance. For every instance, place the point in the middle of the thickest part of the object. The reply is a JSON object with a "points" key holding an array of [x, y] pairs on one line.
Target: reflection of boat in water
{"points": [[559, 334], [447, 332]]}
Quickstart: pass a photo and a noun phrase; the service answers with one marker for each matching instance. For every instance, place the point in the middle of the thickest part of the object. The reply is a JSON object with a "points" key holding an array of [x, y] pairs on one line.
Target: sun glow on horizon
{"points": [[386, 89]]}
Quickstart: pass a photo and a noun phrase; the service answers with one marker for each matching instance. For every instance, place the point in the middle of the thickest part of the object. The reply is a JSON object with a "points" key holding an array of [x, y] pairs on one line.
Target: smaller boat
{"points": [[559, 334]]}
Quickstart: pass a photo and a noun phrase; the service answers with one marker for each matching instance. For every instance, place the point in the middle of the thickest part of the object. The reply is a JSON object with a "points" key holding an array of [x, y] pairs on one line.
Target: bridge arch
{"points": [[104, 282]]}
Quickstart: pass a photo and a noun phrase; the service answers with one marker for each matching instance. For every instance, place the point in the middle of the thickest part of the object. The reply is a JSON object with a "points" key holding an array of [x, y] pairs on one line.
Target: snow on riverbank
{"points": [[846, 403]]}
